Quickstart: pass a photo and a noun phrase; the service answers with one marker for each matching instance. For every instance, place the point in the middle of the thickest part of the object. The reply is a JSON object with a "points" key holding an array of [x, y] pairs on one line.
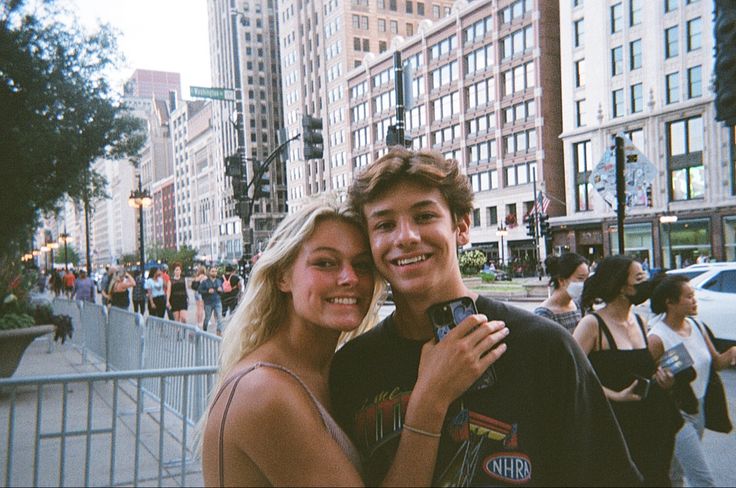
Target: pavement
{"points": [[42, 360]]}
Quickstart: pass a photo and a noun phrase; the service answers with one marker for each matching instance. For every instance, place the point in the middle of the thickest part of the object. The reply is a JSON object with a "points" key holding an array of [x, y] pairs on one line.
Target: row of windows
{"points": [[693, 38], [685, 170], [617, 15]]}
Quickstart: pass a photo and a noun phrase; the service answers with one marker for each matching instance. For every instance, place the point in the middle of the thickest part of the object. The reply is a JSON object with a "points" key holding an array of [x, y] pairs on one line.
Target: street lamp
{"points": [[668, 219], [52, 245], [140, 199], [65, 238], [502, 232]]}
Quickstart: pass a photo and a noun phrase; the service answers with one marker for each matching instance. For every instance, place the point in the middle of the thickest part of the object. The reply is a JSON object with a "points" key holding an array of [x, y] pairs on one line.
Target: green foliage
{"points": [[488, 277], [472, 261], [71, 253], [11, 321], [58, 113], [185, 256]]}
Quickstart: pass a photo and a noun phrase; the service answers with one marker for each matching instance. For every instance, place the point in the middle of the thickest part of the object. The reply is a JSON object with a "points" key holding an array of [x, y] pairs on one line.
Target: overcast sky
{"points": [[164, 35]]}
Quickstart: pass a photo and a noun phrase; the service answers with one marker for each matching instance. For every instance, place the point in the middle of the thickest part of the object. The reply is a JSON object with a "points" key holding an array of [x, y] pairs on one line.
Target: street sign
{"points": [[212, 92], [639, 173]]}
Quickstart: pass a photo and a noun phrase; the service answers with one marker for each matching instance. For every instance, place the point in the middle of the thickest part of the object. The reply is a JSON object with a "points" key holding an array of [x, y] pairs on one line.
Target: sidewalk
{"points": [[112, 405]]}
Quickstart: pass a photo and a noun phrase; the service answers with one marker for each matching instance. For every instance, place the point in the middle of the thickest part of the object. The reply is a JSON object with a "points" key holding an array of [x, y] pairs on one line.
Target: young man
{"points": [[545, 421], [210, 289], [232, 286]]}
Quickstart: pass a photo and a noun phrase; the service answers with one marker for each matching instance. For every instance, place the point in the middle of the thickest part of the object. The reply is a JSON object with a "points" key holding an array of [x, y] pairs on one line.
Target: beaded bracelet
{"points": [[421, 432]]}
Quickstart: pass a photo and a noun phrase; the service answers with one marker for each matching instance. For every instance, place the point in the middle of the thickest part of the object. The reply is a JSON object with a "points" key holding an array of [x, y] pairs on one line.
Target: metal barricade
{"points": [[67, 430], [170, 344], [125, 334], [94, 324]]}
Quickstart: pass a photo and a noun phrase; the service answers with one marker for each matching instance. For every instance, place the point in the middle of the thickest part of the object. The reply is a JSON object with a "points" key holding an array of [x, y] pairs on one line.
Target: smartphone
{"points": [[447, 315], [642, 386]]}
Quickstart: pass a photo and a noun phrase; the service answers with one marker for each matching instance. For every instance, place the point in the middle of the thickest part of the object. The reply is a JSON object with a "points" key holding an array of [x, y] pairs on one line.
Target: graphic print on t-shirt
{"points": [[475, 448]]}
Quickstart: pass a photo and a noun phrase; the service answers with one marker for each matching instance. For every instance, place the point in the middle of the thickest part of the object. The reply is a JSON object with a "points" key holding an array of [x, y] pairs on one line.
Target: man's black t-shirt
{"points": [[546, 420]]}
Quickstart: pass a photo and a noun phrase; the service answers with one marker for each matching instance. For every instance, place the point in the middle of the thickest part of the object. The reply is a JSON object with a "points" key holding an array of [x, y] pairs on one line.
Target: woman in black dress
{"points": [[615, 340], [119, 294], [177, 298]]}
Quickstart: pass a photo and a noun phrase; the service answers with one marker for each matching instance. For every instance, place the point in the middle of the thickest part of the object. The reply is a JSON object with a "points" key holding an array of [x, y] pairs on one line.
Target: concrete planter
{"points": [[13, 344]]}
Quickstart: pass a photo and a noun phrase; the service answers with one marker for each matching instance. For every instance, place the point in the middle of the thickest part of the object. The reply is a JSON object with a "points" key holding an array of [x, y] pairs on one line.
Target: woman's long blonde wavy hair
{"points": [[263, 307]]}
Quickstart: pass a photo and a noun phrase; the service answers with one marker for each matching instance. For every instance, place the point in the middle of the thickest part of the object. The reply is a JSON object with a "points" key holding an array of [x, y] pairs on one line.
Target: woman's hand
{"points": [[625, 395], [664, 378], [449, 367]]}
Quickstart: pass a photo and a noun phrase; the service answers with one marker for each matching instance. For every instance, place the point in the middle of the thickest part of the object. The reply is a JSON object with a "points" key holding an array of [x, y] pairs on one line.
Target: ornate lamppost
{"points": [[668, 220], [501, 232], [140, 199]]}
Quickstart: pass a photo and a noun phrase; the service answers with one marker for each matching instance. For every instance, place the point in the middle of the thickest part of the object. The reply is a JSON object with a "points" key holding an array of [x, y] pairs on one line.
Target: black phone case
{"points": [[445, 316]]}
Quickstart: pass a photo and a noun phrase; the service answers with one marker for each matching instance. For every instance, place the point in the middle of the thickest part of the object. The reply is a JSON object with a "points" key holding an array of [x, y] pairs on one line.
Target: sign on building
{"points": [[639, 173], [212, 92]]}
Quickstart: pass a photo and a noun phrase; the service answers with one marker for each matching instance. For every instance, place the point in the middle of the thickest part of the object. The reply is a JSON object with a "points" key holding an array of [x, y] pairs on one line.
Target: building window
{"points": [[436, 11], [491, 216], [617, 100], [617, 60], [672, 86], [637, 98], [583, 166], [634, 12], [580, 113], [381, 25], [694, 34], [382, 46], [694, 82], [685, 159], [671, 42], [578, 31], [409, 7], [579, 73], [409, 29], [670, 5], [394, 25], [635, 54], [420, 8], [617, 17]]}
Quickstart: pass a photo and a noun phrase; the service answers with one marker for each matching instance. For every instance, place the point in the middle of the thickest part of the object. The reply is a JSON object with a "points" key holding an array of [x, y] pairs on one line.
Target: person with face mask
{"points": [[567, 276], [615, 340]]}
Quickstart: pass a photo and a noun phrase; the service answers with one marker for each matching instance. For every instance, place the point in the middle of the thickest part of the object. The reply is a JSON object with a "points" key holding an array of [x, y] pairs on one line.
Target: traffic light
{"points": [[234, 166], [725, 63], [262, 185], [544, 225], [530, 224], [312, 137]]}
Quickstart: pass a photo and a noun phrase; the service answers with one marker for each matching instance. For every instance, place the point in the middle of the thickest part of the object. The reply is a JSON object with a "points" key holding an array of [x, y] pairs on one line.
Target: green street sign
{"points": [[213, 93]]}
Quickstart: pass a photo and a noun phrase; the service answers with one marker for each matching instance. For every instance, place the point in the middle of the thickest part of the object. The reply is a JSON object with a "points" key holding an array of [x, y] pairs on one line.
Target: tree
{"points": [[72, 256], [58, 114]]}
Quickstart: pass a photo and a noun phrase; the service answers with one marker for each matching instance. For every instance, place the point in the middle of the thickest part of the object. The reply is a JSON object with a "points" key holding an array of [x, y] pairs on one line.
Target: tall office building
{"points": [[244, 56], [485, 85], [642, 68], [322, 41], [145, 83]]}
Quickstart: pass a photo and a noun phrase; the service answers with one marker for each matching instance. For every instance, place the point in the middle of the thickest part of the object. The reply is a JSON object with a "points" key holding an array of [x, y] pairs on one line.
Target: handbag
{"points": [[715, 405]]}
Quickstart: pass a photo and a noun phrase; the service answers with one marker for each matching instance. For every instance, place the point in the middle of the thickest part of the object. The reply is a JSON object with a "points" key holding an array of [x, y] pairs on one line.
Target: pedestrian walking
{"points": [[567, 277], [198, 302], [231, 288], [177, 299], [139, 292], [84, 288], [615, 340], [210, 289], [673, 299], [307, 289], [119, 291], [105, 284], [156, 292], [68, 281]]}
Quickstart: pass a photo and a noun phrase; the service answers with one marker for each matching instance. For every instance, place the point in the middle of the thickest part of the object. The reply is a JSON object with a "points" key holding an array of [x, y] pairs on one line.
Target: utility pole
{"points": [[399, 89], [620, 192]]}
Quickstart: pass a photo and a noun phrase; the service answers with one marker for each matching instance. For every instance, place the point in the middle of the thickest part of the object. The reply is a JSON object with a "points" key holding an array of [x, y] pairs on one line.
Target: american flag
{"points": [[542, 203]]}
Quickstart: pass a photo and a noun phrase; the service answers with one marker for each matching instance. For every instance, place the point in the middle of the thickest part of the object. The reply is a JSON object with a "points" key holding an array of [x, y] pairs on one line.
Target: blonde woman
{"points": [[198, 278], [269, 421]]}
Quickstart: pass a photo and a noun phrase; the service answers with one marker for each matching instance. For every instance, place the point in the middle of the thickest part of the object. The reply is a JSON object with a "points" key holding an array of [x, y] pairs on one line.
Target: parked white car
{"points": [[715, 289]]}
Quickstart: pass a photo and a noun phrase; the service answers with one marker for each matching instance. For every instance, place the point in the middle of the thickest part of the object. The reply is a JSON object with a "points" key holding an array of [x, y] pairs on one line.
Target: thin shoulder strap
{"points": [[641, 328], [236, 379], [602, 327]]}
